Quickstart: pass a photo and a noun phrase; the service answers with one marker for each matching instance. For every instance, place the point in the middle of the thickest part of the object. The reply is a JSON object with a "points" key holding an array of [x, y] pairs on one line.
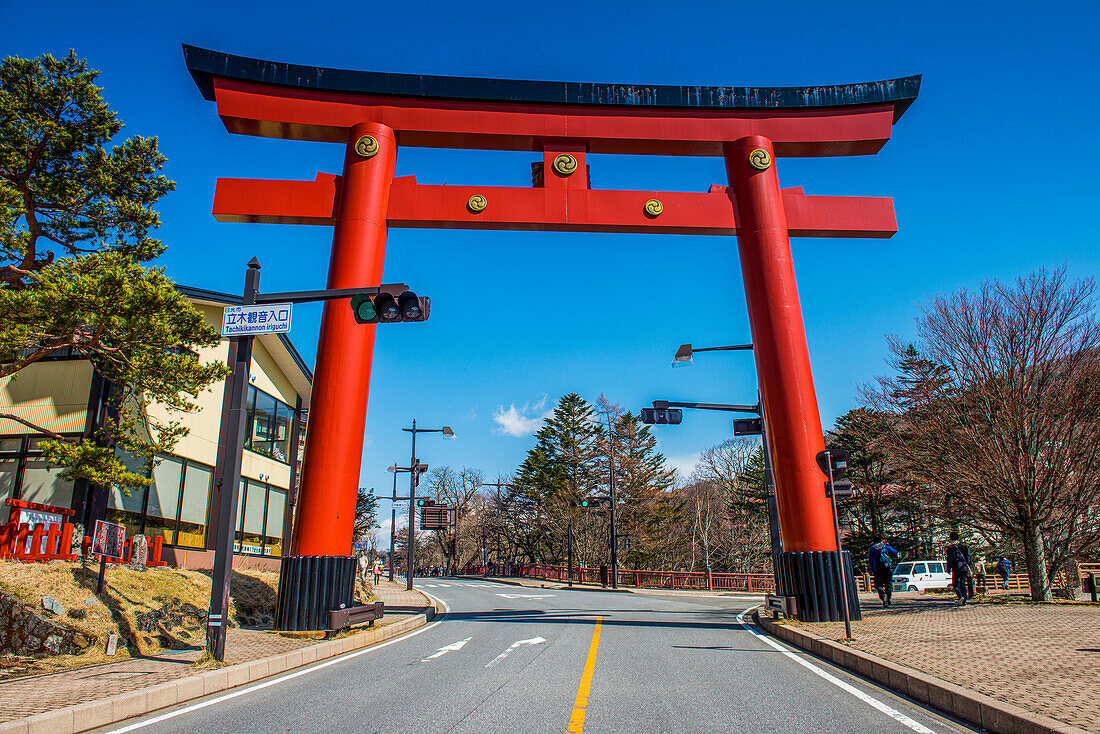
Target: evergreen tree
{"points": [[75, 219]]}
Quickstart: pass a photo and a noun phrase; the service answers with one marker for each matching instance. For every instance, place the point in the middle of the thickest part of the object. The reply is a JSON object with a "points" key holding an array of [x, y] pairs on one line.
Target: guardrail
{"points": [[701, 580]]}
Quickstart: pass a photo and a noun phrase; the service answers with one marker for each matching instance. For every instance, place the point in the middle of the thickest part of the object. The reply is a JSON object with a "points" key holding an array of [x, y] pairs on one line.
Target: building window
{"points": [[269, 422], [25, 475], [172, 507], [260, 519]]}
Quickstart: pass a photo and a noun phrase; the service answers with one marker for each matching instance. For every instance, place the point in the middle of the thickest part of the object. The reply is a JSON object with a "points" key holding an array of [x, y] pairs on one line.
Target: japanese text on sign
{"points": [[266, 319]]}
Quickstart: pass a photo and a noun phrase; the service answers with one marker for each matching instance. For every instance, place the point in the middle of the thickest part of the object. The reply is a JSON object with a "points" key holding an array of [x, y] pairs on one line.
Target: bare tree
{"points": [[997, 415]]}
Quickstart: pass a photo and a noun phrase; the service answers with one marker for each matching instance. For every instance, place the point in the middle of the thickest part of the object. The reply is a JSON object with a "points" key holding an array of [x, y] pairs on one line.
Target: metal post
{"points": [[229, 481], [839, 552], [773, 506], [570, 553], [412, 512], [614, 537], [393, 521]]}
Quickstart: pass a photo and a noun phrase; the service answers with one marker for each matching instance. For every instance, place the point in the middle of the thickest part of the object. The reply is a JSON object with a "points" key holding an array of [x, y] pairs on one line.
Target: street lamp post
{"points": [[683, 358], [393, 514], [414, 479]]}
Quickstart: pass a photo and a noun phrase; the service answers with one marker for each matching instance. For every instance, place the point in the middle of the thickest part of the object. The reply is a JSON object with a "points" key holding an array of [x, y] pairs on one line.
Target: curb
{"points": [[114, 709], [970, 706]]}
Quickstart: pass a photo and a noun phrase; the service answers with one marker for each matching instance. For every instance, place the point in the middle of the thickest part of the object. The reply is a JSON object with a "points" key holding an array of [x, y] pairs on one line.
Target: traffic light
{"points": [[662, 415], [385, 309], [587, 502], [748, 426], [425, 503]]}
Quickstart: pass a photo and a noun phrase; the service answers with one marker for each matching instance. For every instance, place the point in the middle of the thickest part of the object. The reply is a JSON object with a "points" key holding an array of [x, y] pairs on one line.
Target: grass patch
{"points": [[152, 611]]}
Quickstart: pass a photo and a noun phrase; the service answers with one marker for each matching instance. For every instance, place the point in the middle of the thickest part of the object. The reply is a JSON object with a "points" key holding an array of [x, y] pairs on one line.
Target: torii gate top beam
{"points": [[280, 100]]}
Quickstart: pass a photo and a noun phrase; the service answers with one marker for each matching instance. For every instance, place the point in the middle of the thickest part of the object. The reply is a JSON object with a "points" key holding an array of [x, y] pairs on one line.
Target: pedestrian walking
{"points": [[1004, 568], [958, 561], [881, 559]]}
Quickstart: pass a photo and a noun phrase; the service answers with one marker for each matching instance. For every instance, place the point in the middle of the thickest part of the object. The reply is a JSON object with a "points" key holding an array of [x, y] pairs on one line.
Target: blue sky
{"points": [[992, 172]]}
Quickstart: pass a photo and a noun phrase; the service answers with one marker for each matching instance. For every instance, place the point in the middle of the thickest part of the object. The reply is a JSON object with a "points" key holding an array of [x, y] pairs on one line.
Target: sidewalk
{"points": [[251, 654], [1044, 659]]}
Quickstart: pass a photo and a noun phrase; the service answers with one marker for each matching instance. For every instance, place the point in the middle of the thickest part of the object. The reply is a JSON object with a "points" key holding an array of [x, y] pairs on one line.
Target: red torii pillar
{"points": [[787, 394], [345, 349]]}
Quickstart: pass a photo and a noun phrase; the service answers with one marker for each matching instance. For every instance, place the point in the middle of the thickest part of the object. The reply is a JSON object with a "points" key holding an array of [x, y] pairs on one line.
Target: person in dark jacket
{"points": [[881, 559], [1004, 568], [958, 562]]}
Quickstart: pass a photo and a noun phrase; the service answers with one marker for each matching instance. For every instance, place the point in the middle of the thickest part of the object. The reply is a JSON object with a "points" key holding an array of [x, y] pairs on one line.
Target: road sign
{"points": [[748, 426], [434, 517], [268, 318], [840, 489], [837, 457]]}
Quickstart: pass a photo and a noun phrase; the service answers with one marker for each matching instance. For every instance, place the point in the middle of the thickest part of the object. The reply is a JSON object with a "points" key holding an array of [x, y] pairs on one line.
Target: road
{"points": [[512, 659]]}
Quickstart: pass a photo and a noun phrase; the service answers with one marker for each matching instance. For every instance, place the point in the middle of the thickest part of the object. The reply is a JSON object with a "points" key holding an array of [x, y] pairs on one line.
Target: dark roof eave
{"points": [[205, 64]]}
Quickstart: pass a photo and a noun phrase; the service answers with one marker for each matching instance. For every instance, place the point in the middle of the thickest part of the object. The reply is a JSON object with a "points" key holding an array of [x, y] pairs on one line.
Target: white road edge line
{"points": [[280, 679], [869, 700]]}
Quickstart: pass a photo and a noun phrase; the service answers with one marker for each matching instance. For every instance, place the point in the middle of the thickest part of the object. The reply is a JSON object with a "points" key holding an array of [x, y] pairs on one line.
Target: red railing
{"points": [[702, 580], [22, 542]]}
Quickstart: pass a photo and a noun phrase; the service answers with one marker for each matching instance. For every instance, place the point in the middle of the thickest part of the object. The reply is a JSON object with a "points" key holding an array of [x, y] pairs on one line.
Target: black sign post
{"points": [[834, 462]]}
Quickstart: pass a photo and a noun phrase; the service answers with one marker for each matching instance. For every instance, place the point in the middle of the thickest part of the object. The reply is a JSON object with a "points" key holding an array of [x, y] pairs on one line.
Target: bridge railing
{"points": [[639, 578]]}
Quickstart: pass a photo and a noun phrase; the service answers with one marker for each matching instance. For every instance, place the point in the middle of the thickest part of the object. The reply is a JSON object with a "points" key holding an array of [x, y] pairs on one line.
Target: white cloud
{"points": [[684, 464], [522, 421]]}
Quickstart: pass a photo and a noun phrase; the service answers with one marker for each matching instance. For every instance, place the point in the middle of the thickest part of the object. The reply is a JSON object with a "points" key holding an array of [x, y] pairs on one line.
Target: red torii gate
{"points": [[370, 113]]}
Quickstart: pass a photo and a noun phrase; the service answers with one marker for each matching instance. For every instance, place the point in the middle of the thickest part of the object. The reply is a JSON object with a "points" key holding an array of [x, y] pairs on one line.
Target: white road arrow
{"points": [[498, 658], [526, 596], [453, 647]]}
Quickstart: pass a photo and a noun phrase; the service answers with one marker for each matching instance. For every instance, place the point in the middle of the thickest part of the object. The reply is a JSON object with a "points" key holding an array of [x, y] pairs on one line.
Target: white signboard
{"points": [[38, 517], [270, 318]]}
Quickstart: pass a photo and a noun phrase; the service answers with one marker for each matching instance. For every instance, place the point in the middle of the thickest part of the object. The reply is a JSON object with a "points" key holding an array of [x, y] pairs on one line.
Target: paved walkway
{"points": [[1043, 658], [22, 697]]}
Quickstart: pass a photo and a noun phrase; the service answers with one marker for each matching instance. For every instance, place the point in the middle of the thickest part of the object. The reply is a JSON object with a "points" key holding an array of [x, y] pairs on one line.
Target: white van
{"points": [[921, 575]]}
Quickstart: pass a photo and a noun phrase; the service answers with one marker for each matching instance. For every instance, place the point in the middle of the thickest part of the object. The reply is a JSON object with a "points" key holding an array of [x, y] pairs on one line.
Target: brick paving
{"points": [[22, 697], [1042, 658]]}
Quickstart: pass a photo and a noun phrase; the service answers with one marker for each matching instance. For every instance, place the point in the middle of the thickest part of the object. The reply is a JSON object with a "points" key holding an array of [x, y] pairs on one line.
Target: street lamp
{"points": [[414, 479], [685, 352]]}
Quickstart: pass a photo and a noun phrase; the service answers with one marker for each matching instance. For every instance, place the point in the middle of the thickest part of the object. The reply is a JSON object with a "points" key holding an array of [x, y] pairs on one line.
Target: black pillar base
{"points": [[310, 587], [811, 577]]}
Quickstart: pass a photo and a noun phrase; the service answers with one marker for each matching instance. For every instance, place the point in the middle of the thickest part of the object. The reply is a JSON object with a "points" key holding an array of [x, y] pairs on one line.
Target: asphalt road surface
{"points": [[512, 659]]}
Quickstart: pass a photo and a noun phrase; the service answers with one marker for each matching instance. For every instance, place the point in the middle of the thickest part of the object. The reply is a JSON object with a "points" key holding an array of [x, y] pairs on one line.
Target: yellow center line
{"points": [[576, 721]]}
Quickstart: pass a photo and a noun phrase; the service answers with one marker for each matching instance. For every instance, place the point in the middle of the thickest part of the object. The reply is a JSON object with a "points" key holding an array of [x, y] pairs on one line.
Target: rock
{"points": [[112, 644], [75, 547], [53, 644], [52, 605], [139, 552], [91, 601], [77, 613]]}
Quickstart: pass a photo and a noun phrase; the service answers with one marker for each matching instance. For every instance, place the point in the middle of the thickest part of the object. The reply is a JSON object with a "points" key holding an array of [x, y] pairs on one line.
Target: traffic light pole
{"points": [[614, 539], [410, 556], [229, 459], [571, 553], [393, 521], [839, 552], [414, 473]]}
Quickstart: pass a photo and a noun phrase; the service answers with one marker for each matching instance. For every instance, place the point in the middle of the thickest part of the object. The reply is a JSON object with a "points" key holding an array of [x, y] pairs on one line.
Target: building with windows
{"points": [[63, 394]]}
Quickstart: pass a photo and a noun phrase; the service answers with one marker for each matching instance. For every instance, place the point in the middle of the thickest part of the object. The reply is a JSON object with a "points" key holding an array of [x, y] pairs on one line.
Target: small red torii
{"points": [[372, 113]]}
